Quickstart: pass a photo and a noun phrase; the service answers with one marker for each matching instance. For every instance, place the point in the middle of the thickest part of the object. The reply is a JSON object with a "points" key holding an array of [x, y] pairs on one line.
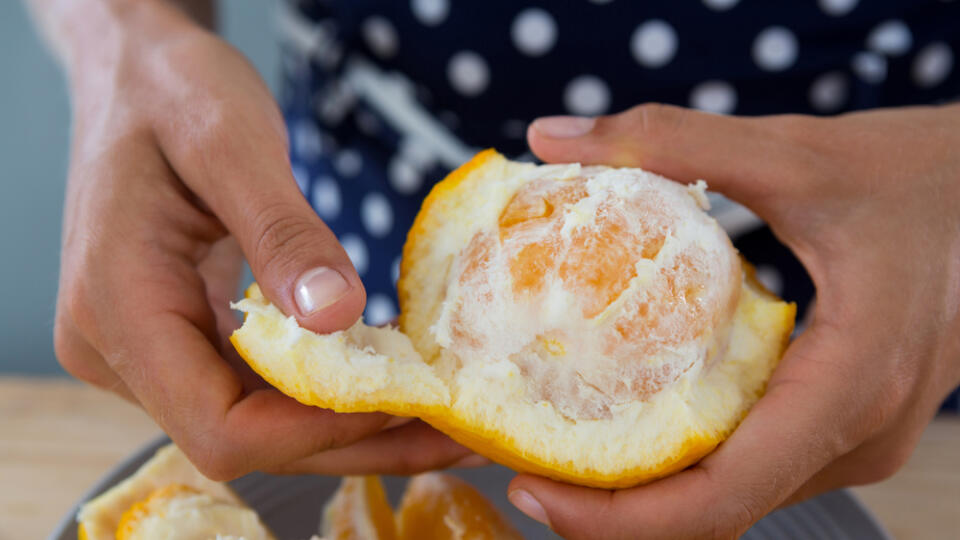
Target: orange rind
{"points": [[168, 498], [589, 324]]}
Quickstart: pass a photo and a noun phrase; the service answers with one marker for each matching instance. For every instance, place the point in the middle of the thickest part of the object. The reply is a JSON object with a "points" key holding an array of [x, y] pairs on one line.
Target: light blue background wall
{"points": [[34, 131]]}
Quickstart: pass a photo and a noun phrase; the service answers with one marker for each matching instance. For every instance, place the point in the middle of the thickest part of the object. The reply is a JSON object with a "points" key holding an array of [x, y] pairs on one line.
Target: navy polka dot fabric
{"points": [[383, 98]]}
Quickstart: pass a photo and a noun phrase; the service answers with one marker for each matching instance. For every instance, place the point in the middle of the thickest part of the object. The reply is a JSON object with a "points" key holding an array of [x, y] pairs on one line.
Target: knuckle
{"points": [[279, 233], [216, 459], [655, 120]]}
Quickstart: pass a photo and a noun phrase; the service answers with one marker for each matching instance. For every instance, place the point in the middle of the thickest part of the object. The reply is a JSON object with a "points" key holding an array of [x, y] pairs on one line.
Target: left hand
{"points": [[869, 203]]}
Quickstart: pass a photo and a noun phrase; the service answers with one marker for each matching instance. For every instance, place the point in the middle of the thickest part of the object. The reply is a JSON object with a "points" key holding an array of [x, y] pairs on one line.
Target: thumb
{"points": [[747, 159], [298, 262]]}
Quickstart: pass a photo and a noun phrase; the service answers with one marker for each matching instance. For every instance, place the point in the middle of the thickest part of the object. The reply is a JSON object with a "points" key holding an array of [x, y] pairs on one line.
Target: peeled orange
{"points": [[590, 324]]}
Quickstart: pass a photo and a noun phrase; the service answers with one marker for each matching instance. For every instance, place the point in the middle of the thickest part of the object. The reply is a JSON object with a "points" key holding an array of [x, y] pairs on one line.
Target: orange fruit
{"points": [[168, 498], [359, 511], [590, 324], [439, 506]]}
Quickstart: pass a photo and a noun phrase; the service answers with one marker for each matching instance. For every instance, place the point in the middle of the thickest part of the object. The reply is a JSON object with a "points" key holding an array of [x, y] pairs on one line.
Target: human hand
{"points": [[178, 168], [868, 203]]}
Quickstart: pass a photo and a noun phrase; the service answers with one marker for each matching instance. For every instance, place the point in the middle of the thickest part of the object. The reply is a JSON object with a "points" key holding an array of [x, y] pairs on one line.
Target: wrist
{"points": [[97, 41]]}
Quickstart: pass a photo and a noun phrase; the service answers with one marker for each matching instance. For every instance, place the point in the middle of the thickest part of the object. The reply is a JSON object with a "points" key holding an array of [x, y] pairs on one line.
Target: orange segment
{"points": [[439, 506], [359, 511]]}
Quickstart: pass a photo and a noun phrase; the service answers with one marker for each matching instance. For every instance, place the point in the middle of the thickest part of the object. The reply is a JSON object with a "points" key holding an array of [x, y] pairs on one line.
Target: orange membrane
{"points": [[612, 293]]}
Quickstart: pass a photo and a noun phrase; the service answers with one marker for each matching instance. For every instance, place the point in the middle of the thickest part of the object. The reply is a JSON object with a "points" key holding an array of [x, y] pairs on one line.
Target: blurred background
{"points": [[34, 139]]}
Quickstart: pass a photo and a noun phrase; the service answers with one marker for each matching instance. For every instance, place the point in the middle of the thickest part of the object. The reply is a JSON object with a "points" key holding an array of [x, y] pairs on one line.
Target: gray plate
{"points": [[290, 505]]}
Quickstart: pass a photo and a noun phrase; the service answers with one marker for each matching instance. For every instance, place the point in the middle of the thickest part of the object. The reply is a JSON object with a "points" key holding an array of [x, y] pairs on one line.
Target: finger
{"points": [[788, 436], [82, 361], [409, 449], [744, 158], [198, 400], [240, 169]]}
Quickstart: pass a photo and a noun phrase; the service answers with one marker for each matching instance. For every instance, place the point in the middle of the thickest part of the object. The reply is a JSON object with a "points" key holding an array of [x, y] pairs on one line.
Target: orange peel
{"points": [[589, 324]]}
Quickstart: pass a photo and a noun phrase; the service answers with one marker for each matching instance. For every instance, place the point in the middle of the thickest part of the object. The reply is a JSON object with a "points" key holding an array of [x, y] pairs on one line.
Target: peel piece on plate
{"points": [[439, 506], [169, 498], [359, 511], [590, 324]]}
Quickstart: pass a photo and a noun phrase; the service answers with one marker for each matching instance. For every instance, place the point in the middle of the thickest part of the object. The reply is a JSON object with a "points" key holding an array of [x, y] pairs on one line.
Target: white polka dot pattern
{"points": [[534, 32], [587, 95], [403, 176], [306, 140], [837, 8], [380, 310], [720, 5], [714, 96], [468, 73], [376, 215], [380, 36], [326, 198], [892, 38], [395, 270], [357, 251], [301, 176], [870, 67], [430, 12], [654, 43], [775, 49], [932, 65], [829, 92], [348, 162]]}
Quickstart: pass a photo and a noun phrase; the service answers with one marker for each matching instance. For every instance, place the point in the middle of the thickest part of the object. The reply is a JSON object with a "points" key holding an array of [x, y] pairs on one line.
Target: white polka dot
{"points": [[404, 177], [326, 197], [714, 96], [395, 270], [775, 49], [430, 12], [654, 43], [357, 251], [380, 36], [837, 8], [829, 92], [586, 95], [514, 129], [468, 73], [932, 64], [302, 177], [418, 153], [306, 139], [380, 310], [534, 32], [870, 66], [890, 37], [348, 162], [376, 215], [770, 278], [720, 5], [367, 122]]}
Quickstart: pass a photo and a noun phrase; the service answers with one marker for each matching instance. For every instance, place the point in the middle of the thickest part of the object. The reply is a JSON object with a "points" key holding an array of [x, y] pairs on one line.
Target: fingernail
{"points": [[564, 127], [473, 460], [318, 288], [525, 502]]}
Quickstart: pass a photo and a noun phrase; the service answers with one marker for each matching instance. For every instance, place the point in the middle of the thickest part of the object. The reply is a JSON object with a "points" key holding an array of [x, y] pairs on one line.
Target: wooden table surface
{"points": [[57, 437]]}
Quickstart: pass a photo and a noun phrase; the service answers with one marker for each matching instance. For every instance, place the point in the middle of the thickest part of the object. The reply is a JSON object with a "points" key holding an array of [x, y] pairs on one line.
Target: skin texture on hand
{"points": [[869, 204], [178, 171]]}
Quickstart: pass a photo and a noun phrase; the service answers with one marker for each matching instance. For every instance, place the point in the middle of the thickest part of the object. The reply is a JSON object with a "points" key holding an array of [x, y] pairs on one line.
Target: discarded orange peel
{"points": [[589, 324]]}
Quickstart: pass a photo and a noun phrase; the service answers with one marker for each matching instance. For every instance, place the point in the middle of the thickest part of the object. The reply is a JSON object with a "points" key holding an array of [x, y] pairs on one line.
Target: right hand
{"points": [[178, 168]]}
